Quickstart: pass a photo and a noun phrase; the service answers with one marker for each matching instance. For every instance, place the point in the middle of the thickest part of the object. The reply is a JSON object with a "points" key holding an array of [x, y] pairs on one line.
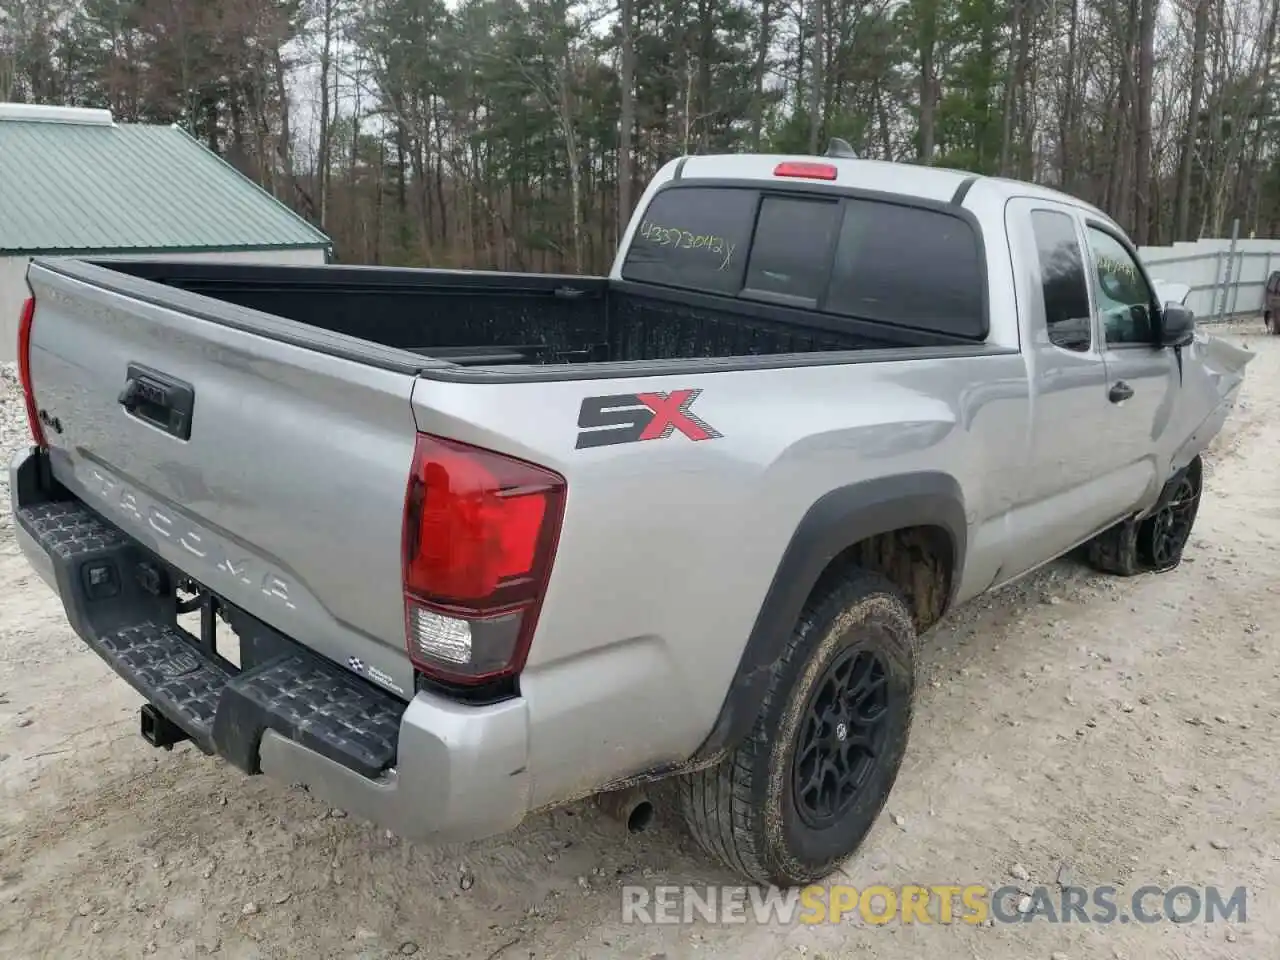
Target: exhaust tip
{"points": [[641, 817], [630, 807]]}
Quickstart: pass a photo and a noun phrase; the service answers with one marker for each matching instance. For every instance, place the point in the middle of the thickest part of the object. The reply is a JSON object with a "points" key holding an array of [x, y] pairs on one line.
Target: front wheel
{"points": [[799, 794], [1164, 534]]}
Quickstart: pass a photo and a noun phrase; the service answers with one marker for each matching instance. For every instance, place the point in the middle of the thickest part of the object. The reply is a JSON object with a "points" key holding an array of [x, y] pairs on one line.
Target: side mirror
{"points": [[1178, 327]]}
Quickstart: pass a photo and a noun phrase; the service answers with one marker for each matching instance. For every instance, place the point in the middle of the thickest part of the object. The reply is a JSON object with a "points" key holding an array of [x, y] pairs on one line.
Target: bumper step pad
{"points": [[300, 695], [69, 530], [171, 672], [305, 699]]}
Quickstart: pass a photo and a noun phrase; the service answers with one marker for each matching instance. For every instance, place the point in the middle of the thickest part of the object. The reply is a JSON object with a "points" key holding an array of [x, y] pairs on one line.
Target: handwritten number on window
{"points": [[678, 238]]}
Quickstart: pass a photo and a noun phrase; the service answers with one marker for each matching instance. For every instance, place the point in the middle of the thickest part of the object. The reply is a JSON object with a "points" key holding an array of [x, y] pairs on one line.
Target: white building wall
{"points": [[13, 280], [13, 291]]}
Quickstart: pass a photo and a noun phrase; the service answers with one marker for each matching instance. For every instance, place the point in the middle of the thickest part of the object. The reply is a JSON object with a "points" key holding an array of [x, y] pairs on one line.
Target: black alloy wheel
{"points": [[1169, 528], [843, 732]]}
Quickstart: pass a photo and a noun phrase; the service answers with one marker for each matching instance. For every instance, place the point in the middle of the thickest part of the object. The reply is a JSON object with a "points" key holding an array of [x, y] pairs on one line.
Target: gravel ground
{"points": [[1124, 730], [13, 434]]}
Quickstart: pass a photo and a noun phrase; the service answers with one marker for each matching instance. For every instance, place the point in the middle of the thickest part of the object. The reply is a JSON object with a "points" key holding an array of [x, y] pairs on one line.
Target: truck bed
{"points": [[474, 318]]}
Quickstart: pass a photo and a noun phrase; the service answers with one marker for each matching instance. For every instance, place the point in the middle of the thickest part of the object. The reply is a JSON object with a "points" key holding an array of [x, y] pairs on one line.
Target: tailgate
{"points": [[270, 472]]}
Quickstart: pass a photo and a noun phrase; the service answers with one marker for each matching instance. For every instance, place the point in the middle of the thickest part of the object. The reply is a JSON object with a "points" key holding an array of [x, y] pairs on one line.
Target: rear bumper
{"points": [[431, 769]]}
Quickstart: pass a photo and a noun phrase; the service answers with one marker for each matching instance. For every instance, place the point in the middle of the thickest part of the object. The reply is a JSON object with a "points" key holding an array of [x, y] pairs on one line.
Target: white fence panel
{"points": [[1227, 275]]}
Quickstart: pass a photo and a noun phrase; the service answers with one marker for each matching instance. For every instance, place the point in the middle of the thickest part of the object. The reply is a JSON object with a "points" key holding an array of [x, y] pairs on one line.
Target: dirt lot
{"points": [[1126, 729]]}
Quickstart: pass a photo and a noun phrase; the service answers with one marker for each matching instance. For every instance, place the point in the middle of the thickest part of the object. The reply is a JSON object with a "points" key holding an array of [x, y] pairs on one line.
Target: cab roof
{"points": [[909, 179]]}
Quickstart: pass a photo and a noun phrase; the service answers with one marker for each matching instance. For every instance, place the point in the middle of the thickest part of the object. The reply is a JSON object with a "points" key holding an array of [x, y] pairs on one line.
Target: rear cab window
{"points": [[1063, 283], [876, 260], [696, 239], [791, 252]]}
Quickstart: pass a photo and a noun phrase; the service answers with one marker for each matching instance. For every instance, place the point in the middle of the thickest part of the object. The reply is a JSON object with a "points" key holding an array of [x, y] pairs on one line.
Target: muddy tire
{"points": [[798, 795], [1115, 550], [1163, 535], [1154, 543]]}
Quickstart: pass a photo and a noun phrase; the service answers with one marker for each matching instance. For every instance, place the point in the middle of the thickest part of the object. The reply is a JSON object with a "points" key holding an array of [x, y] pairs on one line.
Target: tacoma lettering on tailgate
{"points": [[199, 545]]}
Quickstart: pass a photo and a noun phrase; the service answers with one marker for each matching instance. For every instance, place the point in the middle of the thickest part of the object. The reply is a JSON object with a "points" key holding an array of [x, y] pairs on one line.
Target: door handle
{"points": [[1120, 391], [158, 399]]}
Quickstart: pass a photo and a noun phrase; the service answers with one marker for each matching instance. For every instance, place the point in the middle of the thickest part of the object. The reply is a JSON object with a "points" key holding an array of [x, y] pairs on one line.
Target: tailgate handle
{"points": [[160, 400]]}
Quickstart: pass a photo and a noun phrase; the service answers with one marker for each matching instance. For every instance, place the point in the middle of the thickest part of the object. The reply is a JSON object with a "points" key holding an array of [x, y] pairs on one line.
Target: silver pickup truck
{"points": [[487, 543]]}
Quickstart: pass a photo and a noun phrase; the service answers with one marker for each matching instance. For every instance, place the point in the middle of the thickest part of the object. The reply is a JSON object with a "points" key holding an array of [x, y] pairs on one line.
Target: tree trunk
{"points": [[322, 156], [706, 51], [1122, 150], [815, 81], [1027, 83], [1200, 40], [284, 148], [928, 35], [402, 187], [379, 202], [882, 114], [985, 150], [1013, 81], [762, 65], [1067, 126], [627, 112], [571, 156], [1209, 162], [1142, 162]]}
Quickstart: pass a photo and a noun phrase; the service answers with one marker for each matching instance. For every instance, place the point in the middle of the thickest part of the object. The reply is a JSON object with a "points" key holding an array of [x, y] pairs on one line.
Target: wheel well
{"points": [[919, 561], [1195, 469]]}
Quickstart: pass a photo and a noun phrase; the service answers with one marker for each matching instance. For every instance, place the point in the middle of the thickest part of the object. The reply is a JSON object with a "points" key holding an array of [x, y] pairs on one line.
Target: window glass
{"points": [[1124, 299], [1062, 280], [791, 251], [694, 237], [909, 266]]}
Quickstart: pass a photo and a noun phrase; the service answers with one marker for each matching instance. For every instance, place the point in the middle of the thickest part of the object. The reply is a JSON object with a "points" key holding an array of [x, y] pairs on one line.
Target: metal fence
{"points": [[1227, 276]]}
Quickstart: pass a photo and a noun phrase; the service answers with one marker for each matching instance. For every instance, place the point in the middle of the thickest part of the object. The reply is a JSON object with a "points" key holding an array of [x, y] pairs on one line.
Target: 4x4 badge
{"points": [[630, 417]]}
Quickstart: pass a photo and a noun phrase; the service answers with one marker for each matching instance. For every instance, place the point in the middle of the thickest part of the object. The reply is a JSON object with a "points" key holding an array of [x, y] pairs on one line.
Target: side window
{"points": [[909, 266], [1124, 299], [1062, 280], [791, 255], [695, 238]]}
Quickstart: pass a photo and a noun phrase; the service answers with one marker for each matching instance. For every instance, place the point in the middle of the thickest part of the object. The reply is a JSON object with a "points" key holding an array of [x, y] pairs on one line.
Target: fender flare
{"points": [[838, 520]]}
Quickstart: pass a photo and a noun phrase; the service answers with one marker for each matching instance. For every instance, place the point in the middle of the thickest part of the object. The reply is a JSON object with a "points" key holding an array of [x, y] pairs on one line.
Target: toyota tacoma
{"points": [[487, 543]]}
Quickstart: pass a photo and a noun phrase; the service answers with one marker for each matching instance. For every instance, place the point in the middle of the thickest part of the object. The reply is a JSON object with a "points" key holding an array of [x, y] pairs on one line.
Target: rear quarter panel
{"points": [[669, 545]]}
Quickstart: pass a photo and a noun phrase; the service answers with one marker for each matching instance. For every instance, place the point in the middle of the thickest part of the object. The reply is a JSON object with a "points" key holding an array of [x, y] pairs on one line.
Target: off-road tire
{"points": [[1129, 547], [1115, 550], [1185, 491], [743, 811]]}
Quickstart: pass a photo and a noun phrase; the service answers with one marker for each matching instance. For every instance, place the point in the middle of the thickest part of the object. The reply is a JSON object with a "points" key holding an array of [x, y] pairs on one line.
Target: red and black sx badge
{"points": [[629, 417]]}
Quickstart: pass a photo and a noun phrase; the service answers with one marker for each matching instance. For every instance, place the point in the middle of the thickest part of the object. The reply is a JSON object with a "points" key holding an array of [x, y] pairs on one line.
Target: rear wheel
{"points": [[799, 794]]}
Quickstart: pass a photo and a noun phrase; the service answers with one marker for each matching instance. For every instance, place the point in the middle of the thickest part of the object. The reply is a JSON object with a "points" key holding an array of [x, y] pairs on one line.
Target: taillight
{"points": [[805, 171], [480, 533], [24, 369]]}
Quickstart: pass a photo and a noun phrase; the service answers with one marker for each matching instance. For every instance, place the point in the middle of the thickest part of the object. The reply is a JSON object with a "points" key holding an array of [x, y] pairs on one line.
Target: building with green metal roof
{"points": [[75, 183]]}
